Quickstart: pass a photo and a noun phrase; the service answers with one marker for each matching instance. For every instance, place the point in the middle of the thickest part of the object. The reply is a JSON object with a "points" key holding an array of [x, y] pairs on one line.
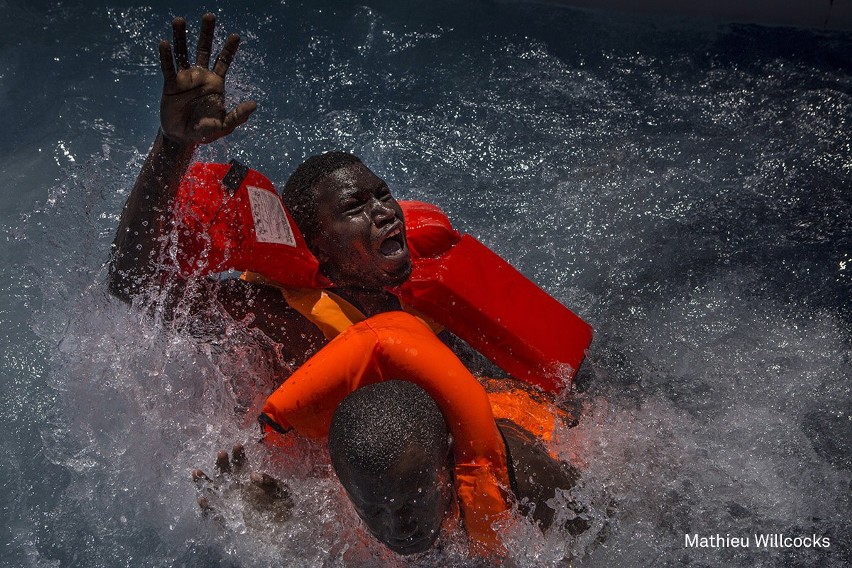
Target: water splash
{"points": [[682, 187]]}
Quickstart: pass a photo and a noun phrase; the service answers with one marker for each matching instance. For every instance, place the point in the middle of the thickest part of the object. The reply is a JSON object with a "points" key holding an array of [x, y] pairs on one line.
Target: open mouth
{"points": [[393, 243]]}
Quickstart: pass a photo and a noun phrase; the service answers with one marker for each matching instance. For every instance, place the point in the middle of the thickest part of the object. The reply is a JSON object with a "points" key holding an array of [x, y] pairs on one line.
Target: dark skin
{"points": [[192, 112], [357, 212], [358, 217], [536, 475], [406, 507], [269, 497], [356, 209]]}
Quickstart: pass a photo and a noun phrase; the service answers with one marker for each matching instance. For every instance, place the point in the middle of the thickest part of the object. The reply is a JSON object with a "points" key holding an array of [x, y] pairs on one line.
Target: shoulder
{"points": [[263, 308], [534, 474]]}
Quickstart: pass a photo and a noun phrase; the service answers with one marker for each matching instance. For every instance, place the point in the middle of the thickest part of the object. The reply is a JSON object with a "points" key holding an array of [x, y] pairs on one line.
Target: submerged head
{"points": [[350, 221], [389, 447]]}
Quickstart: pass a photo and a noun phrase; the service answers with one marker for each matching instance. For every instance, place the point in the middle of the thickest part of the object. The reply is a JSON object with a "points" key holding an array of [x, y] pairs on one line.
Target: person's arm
{"points": [[535, 476], [192, 112]]}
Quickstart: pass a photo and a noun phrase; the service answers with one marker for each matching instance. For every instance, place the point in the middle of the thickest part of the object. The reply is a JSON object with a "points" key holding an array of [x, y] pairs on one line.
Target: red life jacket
{"points": [[231, 218]]}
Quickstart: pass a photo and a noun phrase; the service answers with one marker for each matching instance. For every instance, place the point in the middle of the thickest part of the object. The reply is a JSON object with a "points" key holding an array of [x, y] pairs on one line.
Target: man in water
{"points": [[349, 219], [389, 448]]}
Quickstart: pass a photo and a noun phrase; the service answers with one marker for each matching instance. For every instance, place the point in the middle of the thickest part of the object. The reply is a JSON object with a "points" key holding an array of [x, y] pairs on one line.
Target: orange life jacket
{"points": [[241, 224], [332, 315], [231, 218], [397, 345]]}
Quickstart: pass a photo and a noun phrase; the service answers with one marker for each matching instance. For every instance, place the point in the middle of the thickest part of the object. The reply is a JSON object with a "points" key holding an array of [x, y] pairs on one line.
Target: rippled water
{"points": [[686, 188]]}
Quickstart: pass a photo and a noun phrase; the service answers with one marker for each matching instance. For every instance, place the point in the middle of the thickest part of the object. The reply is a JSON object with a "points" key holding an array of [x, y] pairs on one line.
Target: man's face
{"points": [[406, 507], [361, 232]]}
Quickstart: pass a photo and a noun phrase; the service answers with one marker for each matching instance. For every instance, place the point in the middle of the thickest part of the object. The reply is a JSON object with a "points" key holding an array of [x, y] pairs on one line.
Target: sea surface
{"points": [[686, 187]]}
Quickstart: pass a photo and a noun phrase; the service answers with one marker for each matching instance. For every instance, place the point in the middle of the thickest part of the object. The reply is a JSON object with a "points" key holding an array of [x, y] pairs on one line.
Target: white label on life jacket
{"points": [[270, 221]]}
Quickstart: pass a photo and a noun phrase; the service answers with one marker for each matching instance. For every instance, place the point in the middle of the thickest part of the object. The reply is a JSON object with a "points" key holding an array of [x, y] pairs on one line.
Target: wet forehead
{"points": [[348, 180], [401, 484]]}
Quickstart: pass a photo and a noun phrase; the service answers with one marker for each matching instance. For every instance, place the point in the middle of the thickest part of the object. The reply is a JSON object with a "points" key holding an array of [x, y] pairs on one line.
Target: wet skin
{"points": [[360, 241], [193, 112], [358, 246], [405, 507], [266, 494]]}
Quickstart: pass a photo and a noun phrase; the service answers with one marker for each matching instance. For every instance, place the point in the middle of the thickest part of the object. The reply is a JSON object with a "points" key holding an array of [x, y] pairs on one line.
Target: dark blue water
{"points": [[685, 187]]}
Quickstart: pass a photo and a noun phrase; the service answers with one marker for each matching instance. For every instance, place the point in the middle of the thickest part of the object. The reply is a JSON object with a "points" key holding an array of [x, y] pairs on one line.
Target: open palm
{"points": [[192, 108]]}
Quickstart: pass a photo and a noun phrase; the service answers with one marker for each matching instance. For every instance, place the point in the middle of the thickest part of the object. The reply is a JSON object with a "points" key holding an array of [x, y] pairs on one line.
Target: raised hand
{"points": [[268, 498], [192, 108], [192, 112]]}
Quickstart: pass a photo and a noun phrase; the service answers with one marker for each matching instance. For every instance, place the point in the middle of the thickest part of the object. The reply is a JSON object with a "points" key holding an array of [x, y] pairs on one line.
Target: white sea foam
{"points": [[684, 188]]}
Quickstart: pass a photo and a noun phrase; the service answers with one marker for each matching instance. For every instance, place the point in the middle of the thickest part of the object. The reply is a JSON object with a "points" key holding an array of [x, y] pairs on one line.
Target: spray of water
{"points": [[684, 188]]}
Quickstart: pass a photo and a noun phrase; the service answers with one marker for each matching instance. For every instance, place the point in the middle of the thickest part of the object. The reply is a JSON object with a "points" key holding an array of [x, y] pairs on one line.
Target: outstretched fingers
{"points": [[238, 456], [226, 465], [210, 129], [181, 52], [238, 116], [179, 38], [198, 476], [226, 56], [166, 62], [272, 487], [205, 40], [223, 463]]}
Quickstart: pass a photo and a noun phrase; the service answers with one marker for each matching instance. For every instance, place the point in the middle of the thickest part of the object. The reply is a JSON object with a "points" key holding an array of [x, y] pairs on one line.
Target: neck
{"points": [[371, 301]]}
